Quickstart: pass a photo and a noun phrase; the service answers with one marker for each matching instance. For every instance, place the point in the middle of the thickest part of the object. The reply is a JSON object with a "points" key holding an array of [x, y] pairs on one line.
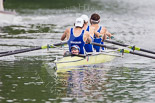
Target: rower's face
{"points": [[75, 51]]}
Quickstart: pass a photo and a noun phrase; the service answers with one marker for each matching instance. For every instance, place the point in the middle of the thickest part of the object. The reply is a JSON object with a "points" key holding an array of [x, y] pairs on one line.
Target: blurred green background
{"points": [[35, 4]]}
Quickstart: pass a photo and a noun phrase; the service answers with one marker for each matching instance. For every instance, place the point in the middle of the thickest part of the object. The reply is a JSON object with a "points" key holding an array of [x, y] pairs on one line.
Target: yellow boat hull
{"points": [[75, 61]]}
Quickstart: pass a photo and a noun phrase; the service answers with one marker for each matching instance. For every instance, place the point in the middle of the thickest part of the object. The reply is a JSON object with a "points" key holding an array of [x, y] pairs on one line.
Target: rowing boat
{"points": [[7, 16], [75, 61]]}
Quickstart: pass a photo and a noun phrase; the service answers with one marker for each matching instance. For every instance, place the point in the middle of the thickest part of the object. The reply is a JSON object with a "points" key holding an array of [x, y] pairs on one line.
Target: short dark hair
{"points": [[95, 17]]}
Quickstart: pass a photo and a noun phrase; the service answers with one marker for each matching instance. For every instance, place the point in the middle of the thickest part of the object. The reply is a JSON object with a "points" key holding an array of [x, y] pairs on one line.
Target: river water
{"points": [[31, 77]]}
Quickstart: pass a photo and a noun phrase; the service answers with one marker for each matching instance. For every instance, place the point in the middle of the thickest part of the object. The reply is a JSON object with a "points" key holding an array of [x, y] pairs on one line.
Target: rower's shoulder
{"points": [[91, 28], [86, 33], [104, 28]]}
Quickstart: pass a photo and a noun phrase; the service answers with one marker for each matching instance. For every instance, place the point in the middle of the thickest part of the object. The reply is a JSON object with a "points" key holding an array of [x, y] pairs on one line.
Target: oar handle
{"points": [[70, 54], [101, 45], [61, 43], [108, 41]]}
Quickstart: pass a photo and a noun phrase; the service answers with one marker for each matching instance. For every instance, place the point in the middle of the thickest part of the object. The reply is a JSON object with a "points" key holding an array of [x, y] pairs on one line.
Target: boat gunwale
{"points": [[8, 12], [82, 58]]}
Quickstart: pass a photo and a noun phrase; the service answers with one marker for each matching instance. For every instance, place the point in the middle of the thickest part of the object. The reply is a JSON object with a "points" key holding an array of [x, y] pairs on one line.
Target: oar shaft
{"points": [[135, 53], [4, 52], [124, 50], [112, 42], [148, 51], [144, 55], [7, 53], [131, 47], [20, 51], [11, 51], [101, 45]]}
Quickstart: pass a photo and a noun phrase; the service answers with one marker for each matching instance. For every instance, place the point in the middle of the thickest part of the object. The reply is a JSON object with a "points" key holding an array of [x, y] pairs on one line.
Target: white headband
{"points": [[94, 21]]}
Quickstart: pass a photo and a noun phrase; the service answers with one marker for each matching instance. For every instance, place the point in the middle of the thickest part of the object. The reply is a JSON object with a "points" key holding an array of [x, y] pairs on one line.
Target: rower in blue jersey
{"points": [[95, 20], [89, 47], [77, 36], [98, 40], [91, 30]]}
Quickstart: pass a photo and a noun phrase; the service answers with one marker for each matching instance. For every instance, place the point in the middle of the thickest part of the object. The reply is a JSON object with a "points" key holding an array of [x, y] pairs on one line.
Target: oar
{"points": [[102, 45], [7, 53], [131, 47], [10, 51], [123, 50]]}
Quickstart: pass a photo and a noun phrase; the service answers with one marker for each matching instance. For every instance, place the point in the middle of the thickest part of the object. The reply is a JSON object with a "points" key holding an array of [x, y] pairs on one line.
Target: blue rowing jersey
{"points": [[98, 40], [88, 47], [76, 41]]}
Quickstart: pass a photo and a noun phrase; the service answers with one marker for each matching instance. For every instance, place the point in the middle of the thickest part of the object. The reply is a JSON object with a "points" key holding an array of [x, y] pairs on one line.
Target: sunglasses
{"points": [[74, 49]]}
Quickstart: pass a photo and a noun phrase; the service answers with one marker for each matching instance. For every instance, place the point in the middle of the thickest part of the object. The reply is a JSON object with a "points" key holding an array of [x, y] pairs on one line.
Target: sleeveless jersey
{"points": [[88, 47], [98, 40], [76, 41]]}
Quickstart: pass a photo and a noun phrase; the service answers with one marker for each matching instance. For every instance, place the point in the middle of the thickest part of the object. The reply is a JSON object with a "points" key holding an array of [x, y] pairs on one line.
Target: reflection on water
{"points": [[96, 85], [33, 83], [33, 80]]}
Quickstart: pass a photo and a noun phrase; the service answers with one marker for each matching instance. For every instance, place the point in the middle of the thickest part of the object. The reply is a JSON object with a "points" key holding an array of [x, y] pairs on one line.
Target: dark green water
{"points": [[47, 4], [31, 77]]}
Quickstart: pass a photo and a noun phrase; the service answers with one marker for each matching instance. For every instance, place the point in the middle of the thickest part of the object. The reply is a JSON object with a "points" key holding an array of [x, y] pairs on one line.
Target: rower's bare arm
{"points": [[103, 32], [97, 34], [64, 36], [93, 31], [108, 34], [87, 37], [104, 37]]}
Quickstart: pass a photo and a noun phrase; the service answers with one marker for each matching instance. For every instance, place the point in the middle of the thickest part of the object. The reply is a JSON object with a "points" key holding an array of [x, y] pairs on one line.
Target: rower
{"points": [[88, 47], [77, 36], [1, 5], [91, 30], [95, 20], [85, 18], [75, 49]]}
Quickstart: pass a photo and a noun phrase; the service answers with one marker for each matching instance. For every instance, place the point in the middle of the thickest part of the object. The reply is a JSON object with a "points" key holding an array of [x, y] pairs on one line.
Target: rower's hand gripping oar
{"points": [[123, 50], [7, 53], [131, 47]]}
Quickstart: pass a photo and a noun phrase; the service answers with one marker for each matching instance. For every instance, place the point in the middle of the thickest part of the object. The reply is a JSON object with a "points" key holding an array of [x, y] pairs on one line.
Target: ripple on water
{"points": [[9, 76], [10, 101], [1, 83], [67, 99], [26, 100], [34, 83]]}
